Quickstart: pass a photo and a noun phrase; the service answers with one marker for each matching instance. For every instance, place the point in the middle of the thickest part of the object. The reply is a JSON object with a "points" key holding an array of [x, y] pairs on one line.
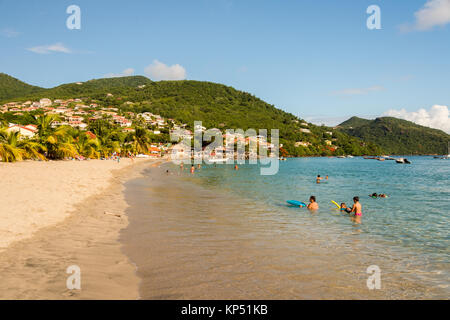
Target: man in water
{"points": [[318, 178], [312, 203], [192, 169], [357, 208]]}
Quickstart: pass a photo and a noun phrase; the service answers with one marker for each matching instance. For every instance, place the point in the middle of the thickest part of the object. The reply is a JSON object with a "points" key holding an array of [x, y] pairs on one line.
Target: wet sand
{"points": [[35, 268]]}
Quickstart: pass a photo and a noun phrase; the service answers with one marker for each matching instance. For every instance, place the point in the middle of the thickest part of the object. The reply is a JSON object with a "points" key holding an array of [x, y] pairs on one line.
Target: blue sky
{"points": [[315, 59]]}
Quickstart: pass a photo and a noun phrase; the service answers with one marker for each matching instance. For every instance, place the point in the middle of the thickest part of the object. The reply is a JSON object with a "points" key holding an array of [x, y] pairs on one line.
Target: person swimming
{"points": [[379, 195], [345, 208], [319, 178], [313, 205]]}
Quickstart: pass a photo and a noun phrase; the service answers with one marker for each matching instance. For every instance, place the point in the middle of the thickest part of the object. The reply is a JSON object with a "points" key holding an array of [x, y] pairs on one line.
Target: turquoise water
{"points": [[411, 227]]}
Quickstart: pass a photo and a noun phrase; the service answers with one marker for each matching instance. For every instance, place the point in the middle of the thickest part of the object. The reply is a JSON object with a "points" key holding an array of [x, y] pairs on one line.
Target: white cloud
{"points": [[437, 117], [9, 33], [357, 91], [124, 73], [46, 49], [160, 71], [433, 13]]}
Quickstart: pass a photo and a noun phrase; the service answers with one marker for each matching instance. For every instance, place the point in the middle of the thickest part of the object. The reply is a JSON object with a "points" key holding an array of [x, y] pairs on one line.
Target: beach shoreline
{"points": [[81, 230]]}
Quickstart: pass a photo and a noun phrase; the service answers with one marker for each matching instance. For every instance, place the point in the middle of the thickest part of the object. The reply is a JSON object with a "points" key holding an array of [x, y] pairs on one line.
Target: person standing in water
{"points": [[236, 167], [357, 209], [318, 178], [192, 169], [313, 205]]}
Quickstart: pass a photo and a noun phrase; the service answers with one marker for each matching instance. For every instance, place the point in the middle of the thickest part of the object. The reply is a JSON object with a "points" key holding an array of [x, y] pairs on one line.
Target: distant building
{"points": [[45, 102], [28, 131]]}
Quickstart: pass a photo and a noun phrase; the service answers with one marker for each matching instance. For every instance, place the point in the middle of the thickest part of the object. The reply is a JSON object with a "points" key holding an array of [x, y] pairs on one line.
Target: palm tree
{"points": [[59, 143], [87, 146], [9, 151], [13, 148], [44, 124], [140, 140]]}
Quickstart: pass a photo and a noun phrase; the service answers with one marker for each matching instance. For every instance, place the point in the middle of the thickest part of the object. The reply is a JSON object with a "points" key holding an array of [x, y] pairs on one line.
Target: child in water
{"points": [[345, 208]]}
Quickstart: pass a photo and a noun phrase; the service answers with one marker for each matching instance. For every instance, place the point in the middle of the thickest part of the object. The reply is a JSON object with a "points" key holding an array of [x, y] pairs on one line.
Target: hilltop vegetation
{"points": [[216, 105], [396, 136], [11, 88]]}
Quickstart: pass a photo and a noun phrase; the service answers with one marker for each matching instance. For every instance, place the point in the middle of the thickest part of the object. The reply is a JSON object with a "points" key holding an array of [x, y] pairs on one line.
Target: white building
{"points": [[45, 102]]}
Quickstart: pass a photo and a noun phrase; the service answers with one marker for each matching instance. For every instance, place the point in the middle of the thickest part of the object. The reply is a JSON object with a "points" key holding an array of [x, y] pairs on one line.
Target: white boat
{"points": [[402, 160]]}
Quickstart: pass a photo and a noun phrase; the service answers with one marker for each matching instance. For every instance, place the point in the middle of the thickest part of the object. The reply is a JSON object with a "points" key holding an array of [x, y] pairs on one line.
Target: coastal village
{"points": [[80, 115]]}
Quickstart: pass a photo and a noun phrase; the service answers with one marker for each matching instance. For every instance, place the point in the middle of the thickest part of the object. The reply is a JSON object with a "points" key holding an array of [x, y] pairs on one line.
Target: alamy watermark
{"points": [[374, 20], [73, 22], [374, 280], [235, 146], [73, 281]]}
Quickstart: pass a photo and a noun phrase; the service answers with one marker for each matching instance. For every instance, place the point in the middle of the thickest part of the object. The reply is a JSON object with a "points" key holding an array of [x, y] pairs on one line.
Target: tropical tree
{"points": [[44, 124], [86, 146], [14, 148], [140, 140], [59, 143]]}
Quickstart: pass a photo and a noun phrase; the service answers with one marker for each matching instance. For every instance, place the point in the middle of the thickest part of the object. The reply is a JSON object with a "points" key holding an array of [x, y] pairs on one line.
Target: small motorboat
{"points": [[403, 160]]}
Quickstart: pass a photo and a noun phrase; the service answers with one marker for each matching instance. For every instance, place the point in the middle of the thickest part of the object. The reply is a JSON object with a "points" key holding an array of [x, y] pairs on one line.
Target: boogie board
{"points": [[296, 203]]}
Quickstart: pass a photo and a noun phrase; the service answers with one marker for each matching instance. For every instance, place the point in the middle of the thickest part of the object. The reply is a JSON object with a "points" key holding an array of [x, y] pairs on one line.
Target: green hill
{"points": [[18, 89], [11, 88], [396, 136], [354, 122], [216, 105]]}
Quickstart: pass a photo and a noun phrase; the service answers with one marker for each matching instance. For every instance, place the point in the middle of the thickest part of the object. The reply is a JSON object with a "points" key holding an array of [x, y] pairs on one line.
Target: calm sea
{"points": [[222, 233]]}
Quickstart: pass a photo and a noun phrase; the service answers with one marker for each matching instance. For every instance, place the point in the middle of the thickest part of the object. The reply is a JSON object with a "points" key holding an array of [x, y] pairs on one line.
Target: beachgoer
{"points": [[345, 208], [192, 169], [382, 195], [373, 195], [318, 178], [313, 205], [357, 208], [236, 167], [199, 166]]}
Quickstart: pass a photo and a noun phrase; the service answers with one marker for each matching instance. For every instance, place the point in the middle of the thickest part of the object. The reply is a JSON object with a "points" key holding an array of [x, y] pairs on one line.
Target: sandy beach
{"points": [[63, 213]]}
